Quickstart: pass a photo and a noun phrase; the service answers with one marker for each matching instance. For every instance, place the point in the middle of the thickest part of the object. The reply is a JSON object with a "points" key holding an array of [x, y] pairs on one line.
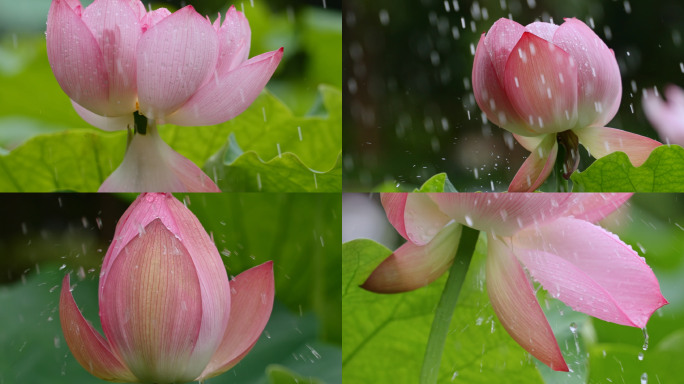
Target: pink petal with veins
{"points": [[234, 41], [414, 266], [540, 80], [591, 270], [252, 294], [227, 95], [76, 59], [537, 167], [151, 307], [395, 205], [593, 207], [490, 94], [602, 141], [116, 27], [501, 213], [598, 75], [174, 58], [89, 348], [500, 40], [516, 306], [183, 224]]}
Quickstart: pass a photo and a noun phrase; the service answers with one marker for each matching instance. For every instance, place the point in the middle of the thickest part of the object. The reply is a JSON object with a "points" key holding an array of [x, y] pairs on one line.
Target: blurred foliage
{"points": [[598, 352], [47, 236], [409, 110], [307, 81], [663, 171]]}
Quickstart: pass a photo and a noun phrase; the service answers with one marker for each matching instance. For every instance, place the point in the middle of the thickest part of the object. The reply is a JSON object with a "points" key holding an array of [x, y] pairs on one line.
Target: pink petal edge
{"points": [[252, 294], [516, 306], [602, 141], [227, 95], [537, 167], [591, 270], [89, 348]]}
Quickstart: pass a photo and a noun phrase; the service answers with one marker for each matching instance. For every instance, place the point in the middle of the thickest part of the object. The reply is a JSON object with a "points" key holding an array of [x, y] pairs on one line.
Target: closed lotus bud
{"points": [[168, 312]]}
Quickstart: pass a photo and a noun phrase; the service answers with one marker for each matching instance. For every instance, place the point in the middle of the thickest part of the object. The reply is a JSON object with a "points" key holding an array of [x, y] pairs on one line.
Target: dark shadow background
{"points": [[409, 111]]}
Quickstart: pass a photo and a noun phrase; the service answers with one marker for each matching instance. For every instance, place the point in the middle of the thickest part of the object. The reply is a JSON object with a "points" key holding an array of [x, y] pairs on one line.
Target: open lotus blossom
{"points": [[168, 312], [551, 84], [667, 117], [548, 238], [115, 61]]}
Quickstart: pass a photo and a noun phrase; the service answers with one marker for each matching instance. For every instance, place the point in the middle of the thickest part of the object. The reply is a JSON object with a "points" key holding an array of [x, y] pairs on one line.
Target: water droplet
{"points": [[644, 378], [640, 356]]}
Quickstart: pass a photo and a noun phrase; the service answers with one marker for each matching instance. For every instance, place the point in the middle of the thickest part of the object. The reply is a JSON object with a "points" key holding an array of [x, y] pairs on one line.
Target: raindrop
{"points": [[641, 356], [259, 180], [645, 332], [62, 267], [644, 378], [384, 17], [628, 10], [573, 328], [299, 130], [469, 220]]}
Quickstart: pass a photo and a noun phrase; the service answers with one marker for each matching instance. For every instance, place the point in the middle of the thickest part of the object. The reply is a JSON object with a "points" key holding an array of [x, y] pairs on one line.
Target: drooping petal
{"points": [[490, 95], [537, 167], [667, 118], [225, 96], [591, 270], [540, 80], [106, 123], [252, 294], [500, 40], [89, 348], [412, 266], [602, 141], [150, 165], [234, 40], [76, 59], [180, 221], [516, 306], [174, 58], [116, 27], [151, 307], [593, 207], [598, 75], [502, 213]]}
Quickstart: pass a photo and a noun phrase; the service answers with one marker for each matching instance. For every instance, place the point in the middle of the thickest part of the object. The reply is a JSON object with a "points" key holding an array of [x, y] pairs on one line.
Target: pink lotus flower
{"points": [[548, 84], [548, 238], [167, 310], [667, 117], [114, 59]]}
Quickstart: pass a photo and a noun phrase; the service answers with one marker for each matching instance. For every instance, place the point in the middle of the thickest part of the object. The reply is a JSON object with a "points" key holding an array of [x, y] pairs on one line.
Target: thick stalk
{"points": [[447, 303]]}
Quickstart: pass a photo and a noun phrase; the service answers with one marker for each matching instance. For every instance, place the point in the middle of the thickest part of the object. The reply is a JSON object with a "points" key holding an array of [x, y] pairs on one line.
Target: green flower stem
{"points": [[446, 306]]}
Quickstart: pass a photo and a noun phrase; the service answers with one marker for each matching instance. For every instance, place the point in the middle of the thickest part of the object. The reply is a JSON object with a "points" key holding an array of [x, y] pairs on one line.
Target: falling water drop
{"points": [[640, 356], [469, 220], [644, 378], [645, 332]]}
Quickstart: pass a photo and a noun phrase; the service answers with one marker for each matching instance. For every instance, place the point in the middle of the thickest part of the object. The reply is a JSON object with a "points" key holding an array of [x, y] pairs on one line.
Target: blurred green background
{"points": [[31, 101], [409, 112], [45, 236], [478, 350]]}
